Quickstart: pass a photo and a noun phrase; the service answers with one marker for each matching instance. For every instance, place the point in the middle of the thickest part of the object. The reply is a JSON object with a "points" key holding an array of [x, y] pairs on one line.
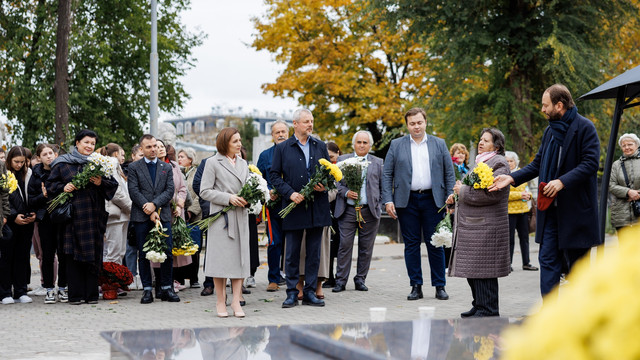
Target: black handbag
{"points": [[635, 205], [62, 213]]}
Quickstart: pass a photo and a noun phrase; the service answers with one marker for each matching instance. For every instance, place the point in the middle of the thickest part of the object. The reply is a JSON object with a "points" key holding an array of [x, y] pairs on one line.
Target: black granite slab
{"points": [[418, 339]]}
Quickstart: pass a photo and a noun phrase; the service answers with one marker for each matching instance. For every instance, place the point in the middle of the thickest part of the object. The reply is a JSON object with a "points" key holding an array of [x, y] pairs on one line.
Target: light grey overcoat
{"points": [[480, 248], [227, 253]]}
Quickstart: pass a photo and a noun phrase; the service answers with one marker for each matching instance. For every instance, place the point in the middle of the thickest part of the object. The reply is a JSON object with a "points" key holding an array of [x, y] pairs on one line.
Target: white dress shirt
{"points": [[421, 174]]}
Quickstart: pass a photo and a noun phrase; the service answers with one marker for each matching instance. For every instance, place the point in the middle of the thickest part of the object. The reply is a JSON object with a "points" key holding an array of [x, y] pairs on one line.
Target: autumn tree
{"points": [[493, 59], [108, 62], [355, 69]]}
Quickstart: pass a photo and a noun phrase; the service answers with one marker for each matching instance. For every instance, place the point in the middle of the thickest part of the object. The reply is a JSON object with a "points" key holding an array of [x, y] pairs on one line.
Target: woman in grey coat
{"points": [[624, 193], [227, 254], [480, 248]]}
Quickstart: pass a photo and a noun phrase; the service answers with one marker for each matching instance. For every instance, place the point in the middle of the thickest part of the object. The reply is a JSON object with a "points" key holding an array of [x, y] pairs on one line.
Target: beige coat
{"points": [[480, 248], [621, 213], [227, 253], [119, 208]]}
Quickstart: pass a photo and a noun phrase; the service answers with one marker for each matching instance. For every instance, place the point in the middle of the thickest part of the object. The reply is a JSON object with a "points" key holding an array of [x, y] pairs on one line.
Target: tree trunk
{"points": [[61, 86]]}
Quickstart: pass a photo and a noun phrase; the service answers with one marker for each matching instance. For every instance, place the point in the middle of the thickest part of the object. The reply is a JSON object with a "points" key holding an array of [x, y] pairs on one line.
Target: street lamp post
{"points": [[153, 111]]}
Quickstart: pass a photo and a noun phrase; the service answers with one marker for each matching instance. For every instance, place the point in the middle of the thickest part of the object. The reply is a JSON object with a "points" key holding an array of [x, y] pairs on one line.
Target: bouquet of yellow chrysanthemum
{"points": [[254, 191], [326, 174], [480, 178], [181, 236], [9, 182]]}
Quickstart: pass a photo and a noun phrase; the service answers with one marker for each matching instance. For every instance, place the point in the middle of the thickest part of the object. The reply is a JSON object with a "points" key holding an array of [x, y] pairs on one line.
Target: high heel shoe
{"points": [[238, 313], [223, 314]]}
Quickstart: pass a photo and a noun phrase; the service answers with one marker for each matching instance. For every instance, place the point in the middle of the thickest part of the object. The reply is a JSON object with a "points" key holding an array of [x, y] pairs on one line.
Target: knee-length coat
{"points": [[83, 237], [480, 248], [227, 254]]}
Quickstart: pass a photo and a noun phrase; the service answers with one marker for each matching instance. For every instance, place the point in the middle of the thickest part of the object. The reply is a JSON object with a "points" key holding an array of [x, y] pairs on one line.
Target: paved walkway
{"points": [[62, 331]]}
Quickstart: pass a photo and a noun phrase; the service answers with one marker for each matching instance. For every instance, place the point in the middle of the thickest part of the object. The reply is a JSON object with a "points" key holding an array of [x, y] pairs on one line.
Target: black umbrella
{"points": [[624, 88]]}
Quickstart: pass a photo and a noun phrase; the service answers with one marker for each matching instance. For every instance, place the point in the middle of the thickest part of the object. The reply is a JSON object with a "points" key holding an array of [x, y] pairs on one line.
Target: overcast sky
{"points": [[228, 72]]}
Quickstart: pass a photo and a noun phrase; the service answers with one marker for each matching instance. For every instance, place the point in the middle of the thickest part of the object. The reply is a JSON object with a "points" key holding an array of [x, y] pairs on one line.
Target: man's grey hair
{"points": [[353, 140], [629, 136], [513, 156], [279, 121], [298, 113]]}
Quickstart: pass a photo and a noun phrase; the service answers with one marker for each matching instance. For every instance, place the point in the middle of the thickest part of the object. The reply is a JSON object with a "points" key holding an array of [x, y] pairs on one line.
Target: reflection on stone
{"points": [[419, 339]]}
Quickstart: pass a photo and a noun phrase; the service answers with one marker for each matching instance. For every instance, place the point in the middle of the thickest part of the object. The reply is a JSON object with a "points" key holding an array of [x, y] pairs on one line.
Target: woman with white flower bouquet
{"points": [[87, 189], [480, 250], [223, 185]]}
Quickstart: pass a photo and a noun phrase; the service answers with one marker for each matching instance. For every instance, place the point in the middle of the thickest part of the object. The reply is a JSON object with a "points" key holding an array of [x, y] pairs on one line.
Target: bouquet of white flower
{"points": [[352, 170], [443, 234], [155, 247], [97, 165]]}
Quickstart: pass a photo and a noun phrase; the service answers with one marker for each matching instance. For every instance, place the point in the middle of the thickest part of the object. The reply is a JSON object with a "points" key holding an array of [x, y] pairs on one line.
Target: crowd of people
{"points": [[112, 216]]}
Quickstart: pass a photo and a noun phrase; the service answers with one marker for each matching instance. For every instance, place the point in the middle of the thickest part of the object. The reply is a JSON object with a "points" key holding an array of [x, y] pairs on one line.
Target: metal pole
{"points": [[611, 148], [153, 111]]}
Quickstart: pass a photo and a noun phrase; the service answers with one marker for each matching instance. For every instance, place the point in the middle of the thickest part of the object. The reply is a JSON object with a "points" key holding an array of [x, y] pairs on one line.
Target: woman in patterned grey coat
{"points": [[480, 249], [621, 212]]}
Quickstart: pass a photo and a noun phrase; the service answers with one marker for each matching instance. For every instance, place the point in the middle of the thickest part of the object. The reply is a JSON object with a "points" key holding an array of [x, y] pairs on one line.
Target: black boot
{"points": [[416, 293]]}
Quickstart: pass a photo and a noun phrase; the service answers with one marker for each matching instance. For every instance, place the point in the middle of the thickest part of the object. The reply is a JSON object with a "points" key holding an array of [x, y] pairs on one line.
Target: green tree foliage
{"points": [[109, 49], [351, 65], [492, 59], [247, 133]]}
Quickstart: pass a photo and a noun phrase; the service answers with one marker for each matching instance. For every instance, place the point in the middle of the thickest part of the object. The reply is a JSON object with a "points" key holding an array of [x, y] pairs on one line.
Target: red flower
{"points": [[115, 274]]}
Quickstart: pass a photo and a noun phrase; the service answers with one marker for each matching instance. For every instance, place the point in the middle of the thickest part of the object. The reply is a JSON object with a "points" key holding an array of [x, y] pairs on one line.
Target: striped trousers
{"points": [[485, 296]]}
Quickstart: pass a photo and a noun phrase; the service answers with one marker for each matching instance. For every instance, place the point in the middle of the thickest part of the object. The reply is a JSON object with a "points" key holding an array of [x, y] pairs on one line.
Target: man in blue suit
{"points": [[567, 161], [279, 133], [418, 168], [150, 183], [294, 163]]}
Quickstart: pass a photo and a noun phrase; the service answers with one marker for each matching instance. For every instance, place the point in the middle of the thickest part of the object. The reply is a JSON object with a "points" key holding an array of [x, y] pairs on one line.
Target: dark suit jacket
{"points": [[398, 170], [264, 164], [578, 171], [289, 174], [374, 187], [142, 190]]}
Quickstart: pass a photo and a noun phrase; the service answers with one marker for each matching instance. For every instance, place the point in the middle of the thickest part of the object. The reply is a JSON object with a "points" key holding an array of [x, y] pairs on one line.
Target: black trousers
{"points": [[83, 280], [254, 256], [15, 269], [485, 296], [519, 222], [51, 242]]}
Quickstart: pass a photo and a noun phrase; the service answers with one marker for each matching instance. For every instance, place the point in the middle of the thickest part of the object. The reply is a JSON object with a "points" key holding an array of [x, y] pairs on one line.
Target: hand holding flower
{"points": [[296, 197], [96, 180], [352, 195], [319, 187], [70, 187], [236, 200]]}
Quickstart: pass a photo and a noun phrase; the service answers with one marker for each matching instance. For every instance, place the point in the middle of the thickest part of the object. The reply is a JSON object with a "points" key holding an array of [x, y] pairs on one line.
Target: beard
{"points": [[554, 115]]}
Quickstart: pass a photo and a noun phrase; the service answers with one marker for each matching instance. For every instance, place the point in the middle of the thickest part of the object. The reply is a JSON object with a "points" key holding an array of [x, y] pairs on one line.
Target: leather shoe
{"points": [[338, 288], [272, 287], [441, 294], [291, 300], [416, 293], [328, 284], [360, 286], [469, 313], [529, 267], [147, 297], [208, 290], [311, 299], [169, 295], [245, 290]]}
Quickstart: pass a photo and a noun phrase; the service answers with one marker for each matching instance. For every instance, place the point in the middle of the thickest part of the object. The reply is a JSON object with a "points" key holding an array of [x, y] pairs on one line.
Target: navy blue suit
{"points": [[289, 173], [274, 230], [569, 227]]}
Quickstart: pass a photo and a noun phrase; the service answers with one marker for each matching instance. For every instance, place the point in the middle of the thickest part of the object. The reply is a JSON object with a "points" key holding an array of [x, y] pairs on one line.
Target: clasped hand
{"points": [[22, 220], [236, 200]]}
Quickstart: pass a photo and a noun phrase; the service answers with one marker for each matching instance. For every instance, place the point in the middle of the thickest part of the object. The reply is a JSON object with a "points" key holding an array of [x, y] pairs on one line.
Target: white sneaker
{"points": [[50, 298], [39, 291], [24, 299], [62, 295], [8, 300], [250, 282]]}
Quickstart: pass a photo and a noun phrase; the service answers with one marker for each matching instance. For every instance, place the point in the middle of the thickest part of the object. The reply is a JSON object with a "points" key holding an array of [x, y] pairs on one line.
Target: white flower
{"points": [[156, 257], [255, 209], [442, 238], [353, 161]]}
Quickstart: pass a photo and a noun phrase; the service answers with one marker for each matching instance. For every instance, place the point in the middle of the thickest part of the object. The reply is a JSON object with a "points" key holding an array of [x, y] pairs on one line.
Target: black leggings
{"points": [[519, 222], [50, 240], [15, 267]]}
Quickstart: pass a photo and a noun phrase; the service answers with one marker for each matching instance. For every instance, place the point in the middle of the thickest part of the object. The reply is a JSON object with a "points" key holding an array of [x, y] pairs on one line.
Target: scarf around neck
{"points": [[74, 158], [549, 164], [485, 156]]}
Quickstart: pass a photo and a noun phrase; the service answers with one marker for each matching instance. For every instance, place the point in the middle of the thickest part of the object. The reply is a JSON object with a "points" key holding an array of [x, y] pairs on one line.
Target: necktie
{"points": [[152, 171]]}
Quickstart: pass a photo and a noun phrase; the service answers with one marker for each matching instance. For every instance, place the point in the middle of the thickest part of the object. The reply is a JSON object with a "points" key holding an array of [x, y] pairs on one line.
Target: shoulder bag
{"points": [[635, 205]]}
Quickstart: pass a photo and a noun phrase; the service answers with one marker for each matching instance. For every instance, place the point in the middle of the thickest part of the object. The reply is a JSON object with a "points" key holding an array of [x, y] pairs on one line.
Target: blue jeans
{"points": [[274, 250], [419, 219], [144, 266], [131, 258]]}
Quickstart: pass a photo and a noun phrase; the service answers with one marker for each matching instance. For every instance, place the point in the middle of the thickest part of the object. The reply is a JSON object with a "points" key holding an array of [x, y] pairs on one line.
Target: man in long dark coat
{"points": [[567, 161]]}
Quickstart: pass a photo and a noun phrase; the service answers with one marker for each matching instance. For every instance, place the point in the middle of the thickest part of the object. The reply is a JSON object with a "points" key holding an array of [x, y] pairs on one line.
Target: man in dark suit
{"points": [[294, 163], [345, 212], [418, 168], [279, 133], [151, 188], [567, 161]]}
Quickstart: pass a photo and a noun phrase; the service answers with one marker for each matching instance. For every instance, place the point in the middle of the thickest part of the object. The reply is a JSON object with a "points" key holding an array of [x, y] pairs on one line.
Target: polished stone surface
{"points": [[417, 339]]}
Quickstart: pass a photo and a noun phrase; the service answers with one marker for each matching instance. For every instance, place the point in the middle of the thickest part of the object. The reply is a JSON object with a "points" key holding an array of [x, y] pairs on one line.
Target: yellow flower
{"points": [[476, 186], [324, 162], [254, 169], [336, 172]]}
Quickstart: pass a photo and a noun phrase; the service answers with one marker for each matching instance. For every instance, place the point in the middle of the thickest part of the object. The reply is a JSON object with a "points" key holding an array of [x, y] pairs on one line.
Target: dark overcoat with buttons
{"points": [[289, 173], [480, 248]]}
